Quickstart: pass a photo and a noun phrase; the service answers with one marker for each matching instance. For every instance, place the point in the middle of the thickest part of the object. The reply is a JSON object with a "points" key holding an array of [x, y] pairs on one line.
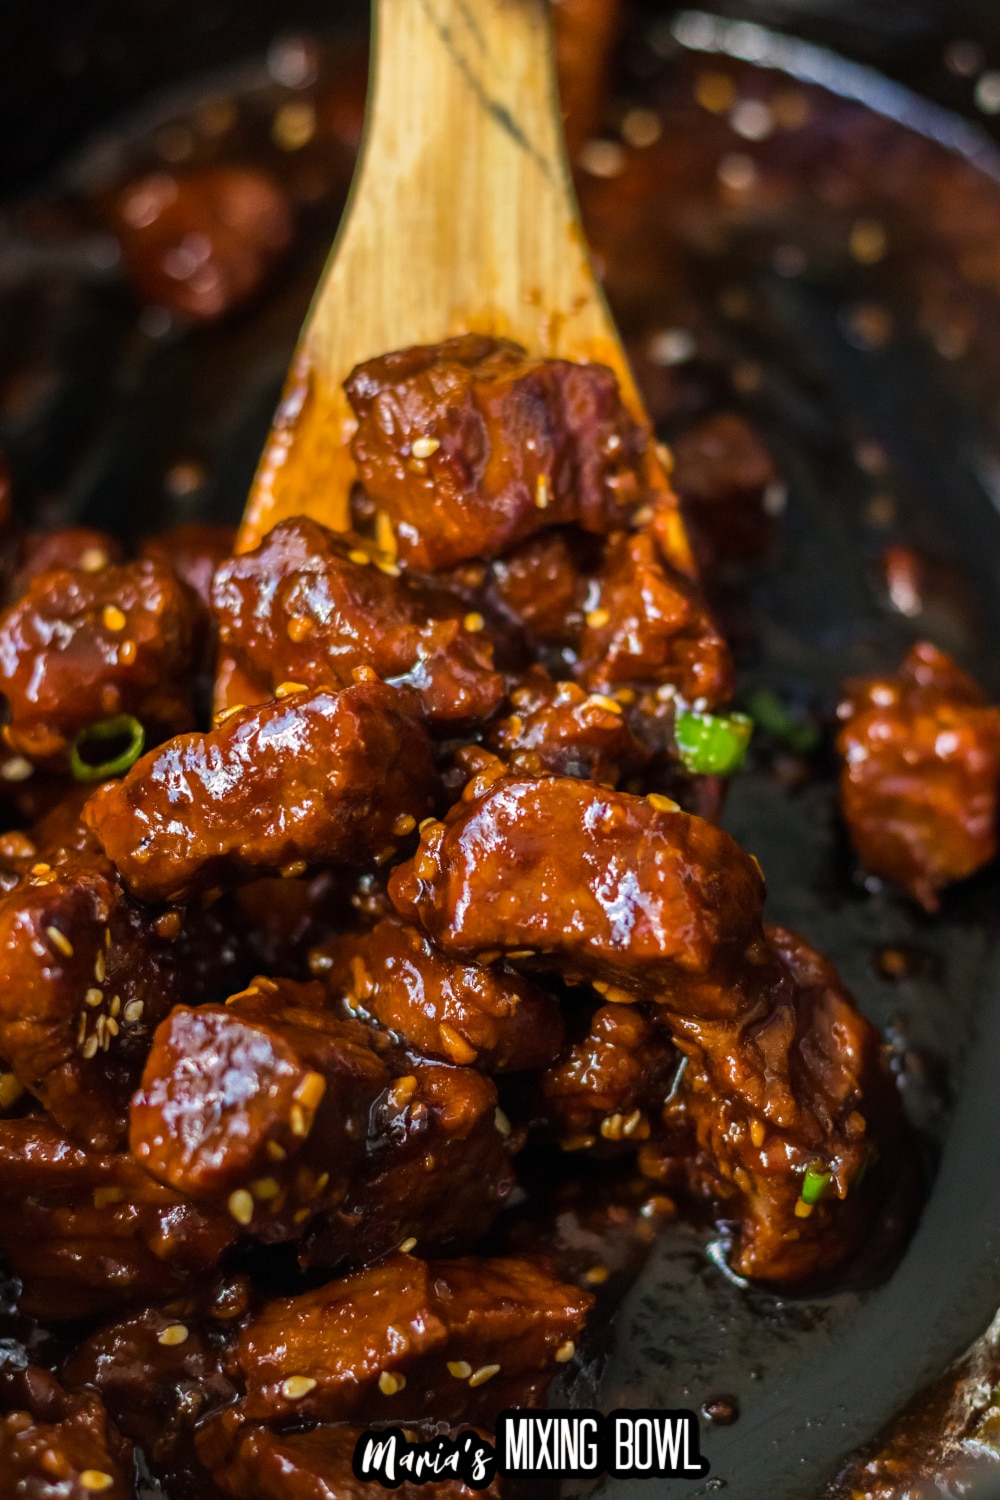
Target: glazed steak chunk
{"points": [[557, 727], [628, 890], [920, 774], [604, 1086], [251, 1462], [79, 648], [472, 445], [447, 1340], [464, 1013], [53, 1444], [86, 1231], [311, 778], [309, 606], [84, 980]]}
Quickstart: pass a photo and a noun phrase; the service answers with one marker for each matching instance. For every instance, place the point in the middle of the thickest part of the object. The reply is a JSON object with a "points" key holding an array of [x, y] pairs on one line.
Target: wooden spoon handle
{"points": [[462, 217]]}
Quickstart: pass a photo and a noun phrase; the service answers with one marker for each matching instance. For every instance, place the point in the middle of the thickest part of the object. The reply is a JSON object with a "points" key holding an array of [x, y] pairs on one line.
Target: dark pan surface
{"points": [[132, 423]]}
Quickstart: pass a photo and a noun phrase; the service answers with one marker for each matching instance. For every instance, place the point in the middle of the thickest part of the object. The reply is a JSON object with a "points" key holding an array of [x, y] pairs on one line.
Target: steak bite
{"points": [[920, 773], [489, 1018], [85, 977], [310, 606], [628, 890], [312, 778], [559, 729], [87, 1231], [451, 1341], [53, 1444], [80, 648], [296, 1122], [472, 445], [607, 1083], [194, 550]]}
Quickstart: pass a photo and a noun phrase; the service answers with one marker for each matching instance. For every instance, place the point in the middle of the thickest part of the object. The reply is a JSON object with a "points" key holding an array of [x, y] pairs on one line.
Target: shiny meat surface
{"points": [[558, 728], [920, 773], [310, 606], [506, 445], [80, 647], [487, 1017], [53, 1444], [309, 778]]}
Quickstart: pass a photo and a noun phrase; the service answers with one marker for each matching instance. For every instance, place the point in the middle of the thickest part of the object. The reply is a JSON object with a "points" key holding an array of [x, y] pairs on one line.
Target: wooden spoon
{"points": [[462, 218]]}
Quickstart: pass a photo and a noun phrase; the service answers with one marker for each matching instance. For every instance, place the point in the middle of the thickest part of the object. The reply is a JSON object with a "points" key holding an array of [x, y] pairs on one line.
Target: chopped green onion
{"points": [[105, 731], [814, 1184], [712, 744], [782, 723]]}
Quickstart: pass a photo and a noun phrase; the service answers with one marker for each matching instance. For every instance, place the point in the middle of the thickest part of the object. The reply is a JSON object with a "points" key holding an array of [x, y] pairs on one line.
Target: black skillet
{"points": [[125, 405]]}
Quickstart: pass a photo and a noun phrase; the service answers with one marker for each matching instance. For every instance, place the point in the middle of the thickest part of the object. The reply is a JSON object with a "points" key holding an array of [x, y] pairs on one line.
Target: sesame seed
{"points": [[96, 1480], [311, 1090], [474, 621], [293, 869], [174, 1333], [299, 626], [93, 559], [597, 618], [59, 940], [133, 1012], [426, 823], [227, 713], [265, 1188], [297, 1122], [542, 492], [41, 868], [660, 803], [601, 700], [100, 969], [409, 1244], [115, 1006], [386, 539], [106, 1197], [112, 1026], [611, 1127], [632, 1122], [757, 1132], [423, 447], [114, 618], [357, 556], [10, 1089], [484, 1373], [365, 674], [596, 1275], [297, 1386], [565, 1352], [389, 1384], [17, 769], [404, 824], [455, 1045], [94, 996], [241, 1206], [301, 1215], [460, 1368], [287, 688], [127, 652], [390, 569], [89, 1048], [276, 1152]]}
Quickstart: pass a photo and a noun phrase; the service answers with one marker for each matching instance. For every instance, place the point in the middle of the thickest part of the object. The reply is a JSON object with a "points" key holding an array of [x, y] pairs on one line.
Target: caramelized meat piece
{"points": [[310, 606], [461, 1012], [75, 547], [312, 778], [86, 1232], [251, 1462], [921, 769], [259, 1106], [541, 589], [82, 647], [157, 1374], [595, 881], [194, 550], [722, 472], [605, 1085], [453, 1341], [84, 980], [647, 625], [54, 1446], [290, 1120], [201, 243], [785, 1112], [472, 445], [558, 728]]}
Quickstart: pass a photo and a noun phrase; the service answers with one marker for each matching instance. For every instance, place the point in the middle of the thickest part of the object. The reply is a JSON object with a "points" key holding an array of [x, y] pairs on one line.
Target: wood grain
{"points": [[462, 217]]}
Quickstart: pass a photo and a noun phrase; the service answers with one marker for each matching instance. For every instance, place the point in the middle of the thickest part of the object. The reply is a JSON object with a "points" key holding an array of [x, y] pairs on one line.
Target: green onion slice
{"points": [[124, 731], [781, 722], [815, 1183], [712, 744]]}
